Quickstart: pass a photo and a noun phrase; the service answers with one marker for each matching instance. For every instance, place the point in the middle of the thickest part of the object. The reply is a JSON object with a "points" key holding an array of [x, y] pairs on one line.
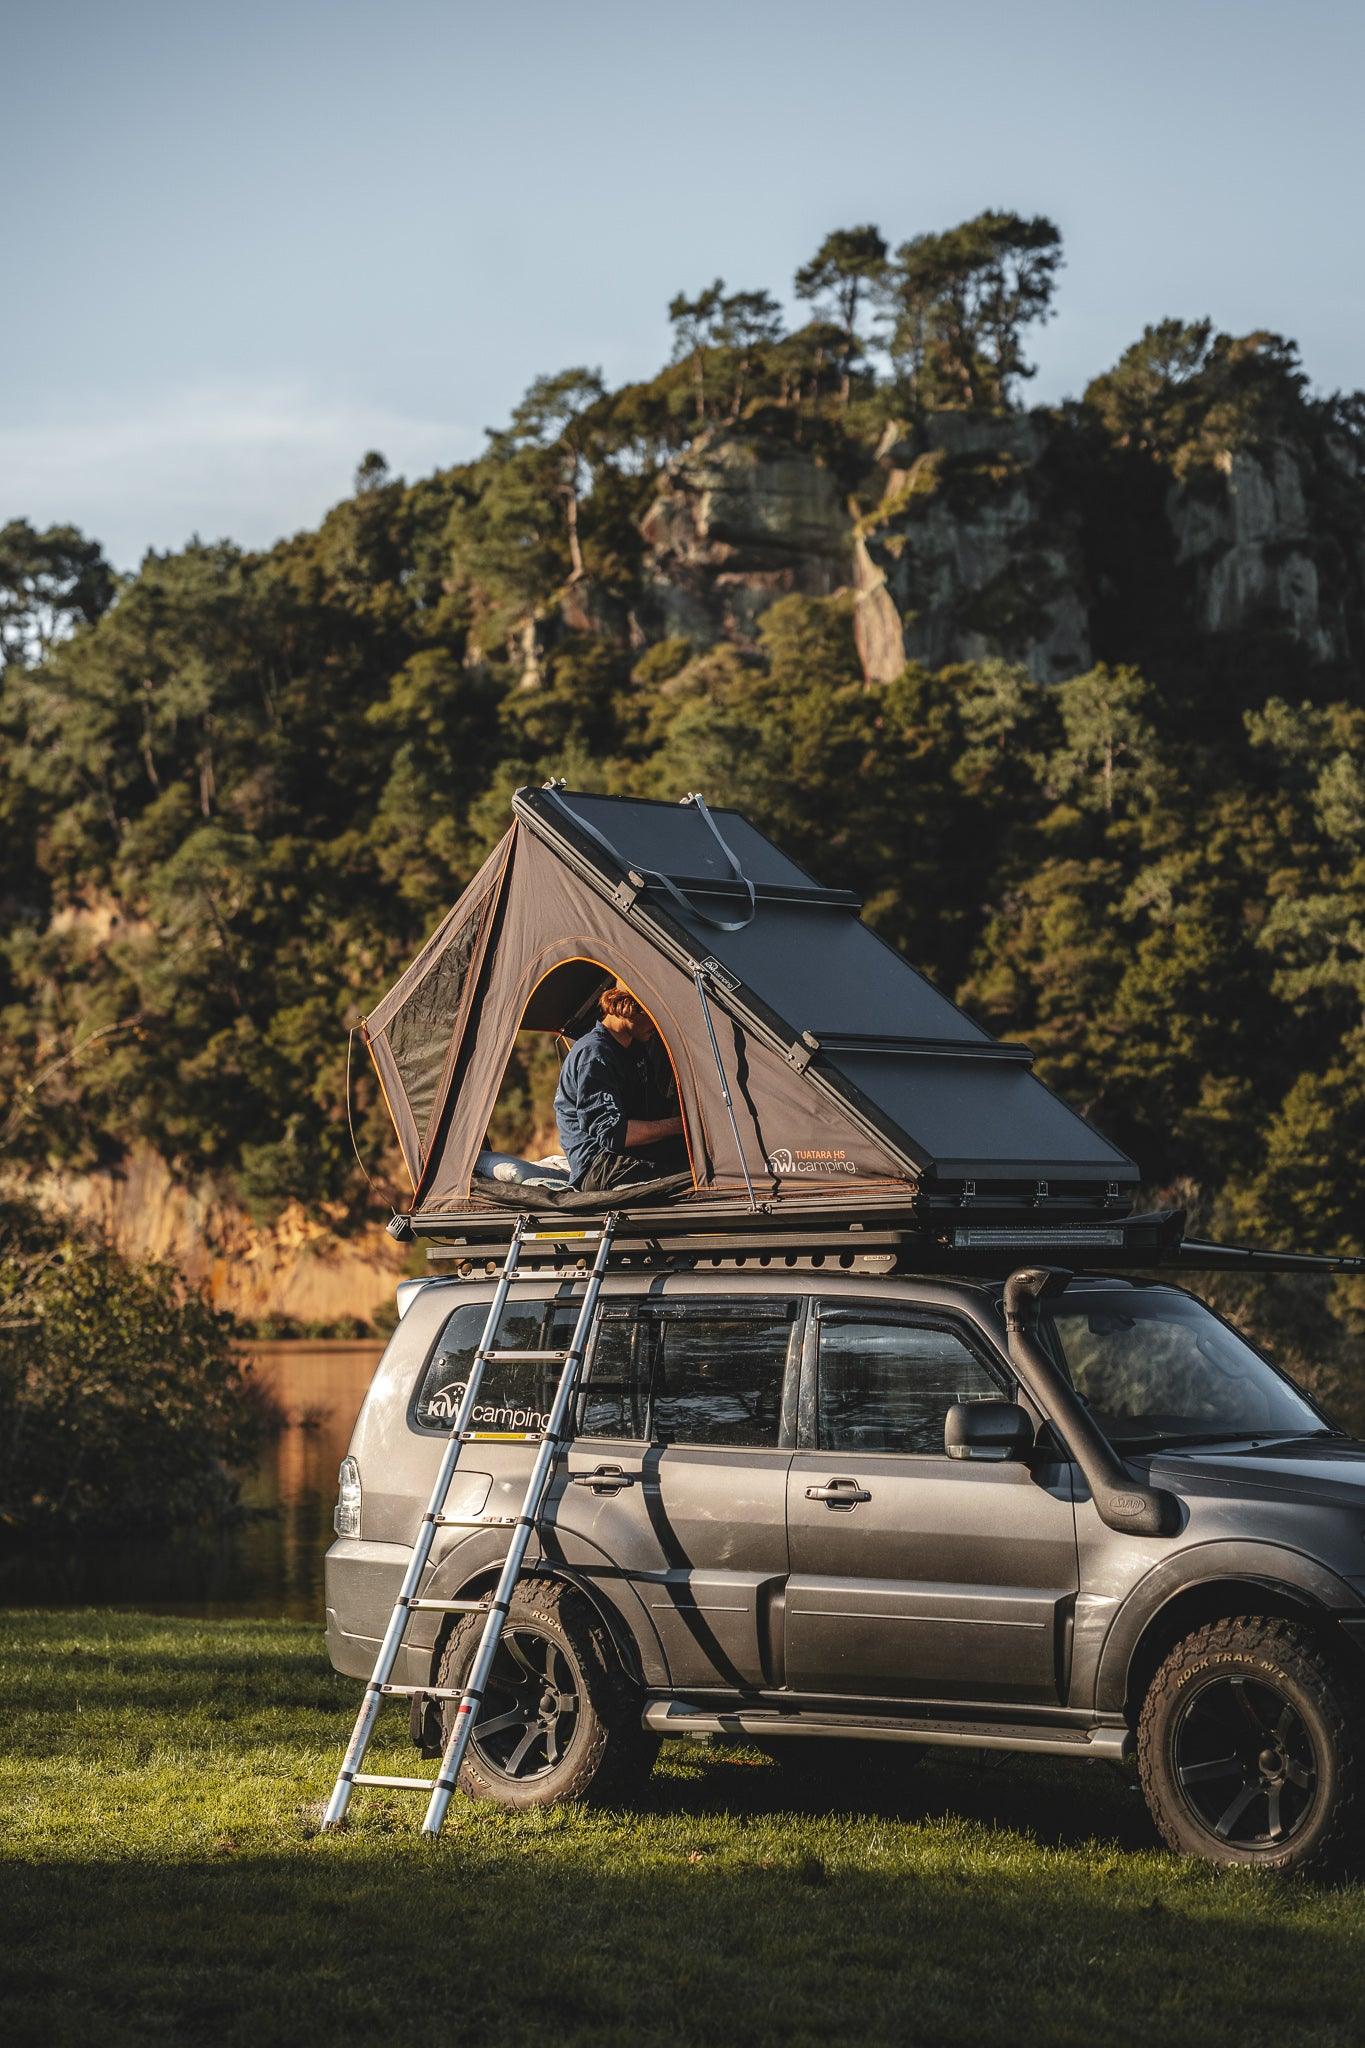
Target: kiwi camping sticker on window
{"points": [[444, 1405], [812, 1162]]}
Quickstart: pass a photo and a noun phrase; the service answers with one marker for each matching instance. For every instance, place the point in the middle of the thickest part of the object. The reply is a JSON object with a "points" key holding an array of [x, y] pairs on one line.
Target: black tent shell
{"points": [[854, 1084]]}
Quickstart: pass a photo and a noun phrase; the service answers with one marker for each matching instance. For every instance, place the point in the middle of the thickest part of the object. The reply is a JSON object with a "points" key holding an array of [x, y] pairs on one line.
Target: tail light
{"points": [[346, 1514]]}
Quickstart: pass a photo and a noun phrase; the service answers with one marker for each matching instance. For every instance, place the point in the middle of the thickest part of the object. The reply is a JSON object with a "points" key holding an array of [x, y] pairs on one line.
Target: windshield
{"points": [[1154, 1366]]}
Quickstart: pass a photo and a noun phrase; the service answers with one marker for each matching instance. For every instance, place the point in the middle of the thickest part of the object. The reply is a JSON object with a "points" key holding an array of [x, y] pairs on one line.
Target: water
{"points": [[268, 1564]]}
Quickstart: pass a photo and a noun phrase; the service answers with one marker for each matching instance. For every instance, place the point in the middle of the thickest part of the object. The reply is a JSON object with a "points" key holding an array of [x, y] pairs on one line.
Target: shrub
{"points": [[122, 1398]]}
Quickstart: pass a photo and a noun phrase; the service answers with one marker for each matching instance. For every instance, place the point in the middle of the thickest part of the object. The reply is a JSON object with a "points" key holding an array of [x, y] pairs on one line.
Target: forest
{"points": [[1108, 789]]}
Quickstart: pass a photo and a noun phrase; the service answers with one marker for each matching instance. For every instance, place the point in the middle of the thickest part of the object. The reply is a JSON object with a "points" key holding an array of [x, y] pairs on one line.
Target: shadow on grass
{"points": [[521, 1934], [1059, 1806]]}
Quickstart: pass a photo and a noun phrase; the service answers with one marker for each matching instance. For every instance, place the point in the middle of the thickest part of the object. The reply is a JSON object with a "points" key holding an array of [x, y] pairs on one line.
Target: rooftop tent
{"points": [[853, 1082]]}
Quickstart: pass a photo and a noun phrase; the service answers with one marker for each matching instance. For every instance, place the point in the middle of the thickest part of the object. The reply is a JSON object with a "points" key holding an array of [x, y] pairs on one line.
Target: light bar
{"points": [[1012, 1237]]}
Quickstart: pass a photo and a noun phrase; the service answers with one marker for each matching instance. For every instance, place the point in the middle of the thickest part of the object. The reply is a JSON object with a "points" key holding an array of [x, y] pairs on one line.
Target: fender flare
{"points": [[1272, 1566], [610, 1594]]}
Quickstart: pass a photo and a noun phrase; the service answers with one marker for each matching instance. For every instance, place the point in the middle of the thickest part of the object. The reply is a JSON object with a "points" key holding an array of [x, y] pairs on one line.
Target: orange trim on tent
{"points": [[590, 960]]}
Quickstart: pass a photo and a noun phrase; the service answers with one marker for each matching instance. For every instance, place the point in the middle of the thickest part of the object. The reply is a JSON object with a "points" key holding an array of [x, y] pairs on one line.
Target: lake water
{"points": [[270, 1563]]}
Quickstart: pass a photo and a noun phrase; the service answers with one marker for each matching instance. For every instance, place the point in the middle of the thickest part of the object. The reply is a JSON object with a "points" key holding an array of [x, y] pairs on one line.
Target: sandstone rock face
{"points": [[298, 1267], [739, 521], [978, 557], [1245, 530]]}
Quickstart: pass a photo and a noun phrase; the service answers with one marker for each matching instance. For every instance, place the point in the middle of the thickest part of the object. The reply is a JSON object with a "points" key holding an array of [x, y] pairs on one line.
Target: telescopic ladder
{"points": [[553, 1439]]}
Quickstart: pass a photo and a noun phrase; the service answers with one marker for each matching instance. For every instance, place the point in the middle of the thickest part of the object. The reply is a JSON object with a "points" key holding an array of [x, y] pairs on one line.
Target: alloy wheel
{"points": [[530, 1706], [1245, 1763]]}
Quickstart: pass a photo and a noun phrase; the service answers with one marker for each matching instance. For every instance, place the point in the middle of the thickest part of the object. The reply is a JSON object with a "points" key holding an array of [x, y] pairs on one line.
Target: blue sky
{"points": [[247, 242]]}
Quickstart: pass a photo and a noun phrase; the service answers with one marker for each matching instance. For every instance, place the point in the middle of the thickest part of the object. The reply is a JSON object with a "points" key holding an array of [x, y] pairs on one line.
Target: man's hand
{"points": [[648, 1130]]}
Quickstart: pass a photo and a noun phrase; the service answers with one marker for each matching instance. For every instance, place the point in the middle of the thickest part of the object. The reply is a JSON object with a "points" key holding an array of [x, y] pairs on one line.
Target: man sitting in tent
{"points": [[616, 1104]]}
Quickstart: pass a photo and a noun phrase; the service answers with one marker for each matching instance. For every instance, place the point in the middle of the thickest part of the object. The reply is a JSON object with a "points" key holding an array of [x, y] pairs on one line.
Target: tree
{"points": [[1110, 757], [748, 324], [838, 280], [959, 303], [742, 324], [694, 323], [371, 473], [555, 414], [1183, 392], [50, 582]]}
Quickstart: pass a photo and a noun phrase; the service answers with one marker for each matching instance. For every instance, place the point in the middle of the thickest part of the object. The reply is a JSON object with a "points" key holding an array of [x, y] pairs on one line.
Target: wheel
{"points": [[560, 1719], [1249, 1747]]}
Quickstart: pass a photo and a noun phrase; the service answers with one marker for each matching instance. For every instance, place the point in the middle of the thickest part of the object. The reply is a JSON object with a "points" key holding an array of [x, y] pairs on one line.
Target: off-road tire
{"points": [[609, 1755], [1272, 1656]]}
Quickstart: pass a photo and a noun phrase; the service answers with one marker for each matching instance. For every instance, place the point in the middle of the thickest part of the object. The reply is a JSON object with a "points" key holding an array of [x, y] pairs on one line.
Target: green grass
{"points": [[164, 1881]]}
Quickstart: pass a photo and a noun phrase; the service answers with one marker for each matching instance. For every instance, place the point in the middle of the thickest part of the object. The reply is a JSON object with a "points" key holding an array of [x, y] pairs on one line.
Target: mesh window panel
{"points": [[420, 1032]]}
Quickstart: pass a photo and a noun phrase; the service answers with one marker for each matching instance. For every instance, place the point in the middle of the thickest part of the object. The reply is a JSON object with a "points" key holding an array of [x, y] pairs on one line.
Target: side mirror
{"points": [[994, 1430]]}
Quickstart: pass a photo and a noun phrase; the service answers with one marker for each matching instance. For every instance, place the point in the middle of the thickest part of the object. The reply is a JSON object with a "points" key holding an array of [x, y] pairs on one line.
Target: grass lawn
{"points": [[164, 1881]]}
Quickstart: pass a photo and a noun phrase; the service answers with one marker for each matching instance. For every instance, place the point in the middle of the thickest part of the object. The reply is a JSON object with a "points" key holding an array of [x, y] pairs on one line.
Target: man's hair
{"points": [[619, 1002]]}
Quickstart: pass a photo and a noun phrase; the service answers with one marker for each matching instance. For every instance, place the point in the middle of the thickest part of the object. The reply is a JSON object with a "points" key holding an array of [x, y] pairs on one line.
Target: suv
{"points": [[1077, 1516]]}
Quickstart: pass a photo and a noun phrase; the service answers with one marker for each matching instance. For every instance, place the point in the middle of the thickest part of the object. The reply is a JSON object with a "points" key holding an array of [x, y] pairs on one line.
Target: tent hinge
{"points": [[626, 891], [968, 1195], [800, 1054], [1040, 1194]]}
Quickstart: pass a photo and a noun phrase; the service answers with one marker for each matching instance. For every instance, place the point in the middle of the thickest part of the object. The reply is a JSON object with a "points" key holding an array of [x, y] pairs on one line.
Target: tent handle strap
{"points": [[724, 1085], [656, 875]]}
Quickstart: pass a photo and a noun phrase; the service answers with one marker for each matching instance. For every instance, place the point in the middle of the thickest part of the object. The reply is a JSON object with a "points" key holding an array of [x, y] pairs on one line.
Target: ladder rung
{"points": [[452, 1606], [431, 1692], [475, 1521], [526, 1357], [396, 1784], [503, 1436]]}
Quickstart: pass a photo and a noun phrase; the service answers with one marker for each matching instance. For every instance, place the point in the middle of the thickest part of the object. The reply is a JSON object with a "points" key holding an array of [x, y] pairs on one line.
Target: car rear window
{"points": [[510, 1396]]}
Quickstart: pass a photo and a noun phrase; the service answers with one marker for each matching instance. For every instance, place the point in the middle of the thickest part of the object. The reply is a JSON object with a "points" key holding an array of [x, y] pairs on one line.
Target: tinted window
{"points": [[717, 1379], [510, 1396], [887, 1386], [613, 1402]]}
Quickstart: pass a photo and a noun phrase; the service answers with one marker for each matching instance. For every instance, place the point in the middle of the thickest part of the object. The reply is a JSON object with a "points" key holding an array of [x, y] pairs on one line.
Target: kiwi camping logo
{"points": [[789, 1162], [444, 1406]]}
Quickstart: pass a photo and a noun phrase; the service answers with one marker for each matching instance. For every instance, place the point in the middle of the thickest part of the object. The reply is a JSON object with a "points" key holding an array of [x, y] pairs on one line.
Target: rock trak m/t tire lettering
{"points": [[1250, 1747]]}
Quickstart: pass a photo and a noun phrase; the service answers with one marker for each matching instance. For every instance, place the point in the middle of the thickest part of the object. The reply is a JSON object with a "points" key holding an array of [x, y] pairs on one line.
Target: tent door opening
{"points": [[561, 1008]]}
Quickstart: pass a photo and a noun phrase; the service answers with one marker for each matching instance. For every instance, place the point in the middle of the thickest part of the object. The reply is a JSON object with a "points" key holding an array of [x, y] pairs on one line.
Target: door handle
{"points": [[839, 1493], [606, 1479]]}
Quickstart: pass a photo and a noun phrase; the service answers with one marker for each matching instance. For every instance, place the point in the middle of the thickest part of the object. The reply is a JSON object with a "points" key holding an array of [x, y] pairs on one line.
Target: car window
{"points": [[614, 1401], [887, 1385], [717, 1377], [510, 1396]]}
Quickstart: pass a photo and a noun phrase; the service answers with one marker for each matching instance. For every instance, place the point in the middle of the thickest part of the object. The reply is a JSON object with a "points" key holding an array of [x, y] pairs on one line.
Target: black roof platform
{"points": [[855, 1237]]}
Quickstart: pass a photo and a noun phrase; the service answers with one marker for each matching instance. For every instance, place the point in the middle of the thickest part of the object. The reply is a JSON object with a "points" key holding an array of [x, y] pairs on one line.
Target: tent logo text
{"points": [[789, 1162]]}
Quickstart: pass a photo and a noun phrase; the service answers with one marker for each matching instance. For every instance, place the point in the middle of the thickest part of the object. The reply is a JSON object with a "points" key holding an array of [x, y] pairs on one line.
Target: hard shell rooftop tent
{"points": [[854, 1086]]}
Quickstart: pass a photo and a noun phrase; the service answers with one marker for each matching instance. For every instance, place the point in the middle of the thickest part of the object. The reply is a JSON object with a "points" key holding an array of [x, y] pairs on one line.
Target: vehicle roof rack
{"points": [[887, 1242]]}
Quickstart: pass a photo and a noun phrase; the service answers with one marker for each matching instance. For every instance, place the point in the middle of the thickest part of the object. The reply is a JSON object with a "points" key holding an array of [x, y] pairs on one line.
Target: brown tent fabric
{"points": [[894, 1093]]}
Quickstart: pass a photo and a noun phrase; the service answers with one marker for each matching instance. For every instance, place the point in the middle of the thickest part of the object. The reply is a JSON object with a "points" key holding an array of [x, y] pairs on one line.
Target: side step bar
{"points": [[676, 1717]]}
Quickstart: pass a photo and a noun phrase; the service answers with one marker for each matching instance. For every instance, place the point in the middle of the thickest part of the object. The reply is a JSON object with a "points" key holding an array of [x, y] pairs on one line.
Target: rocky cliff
{"points": [[963, 537], [297, 1268]]}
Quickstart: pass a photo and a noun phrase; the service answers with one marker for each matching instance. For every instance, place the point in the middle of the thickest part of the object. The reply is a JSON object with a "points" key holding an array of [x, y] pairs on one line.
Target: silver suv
{"points": [[1075, 1516]]}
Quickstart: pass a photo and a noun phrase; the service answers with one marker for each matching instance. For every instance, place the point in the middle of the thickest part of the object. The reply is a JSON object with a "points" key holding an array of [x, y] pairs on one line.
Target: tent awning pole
{"points": [[724, 1085]]}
